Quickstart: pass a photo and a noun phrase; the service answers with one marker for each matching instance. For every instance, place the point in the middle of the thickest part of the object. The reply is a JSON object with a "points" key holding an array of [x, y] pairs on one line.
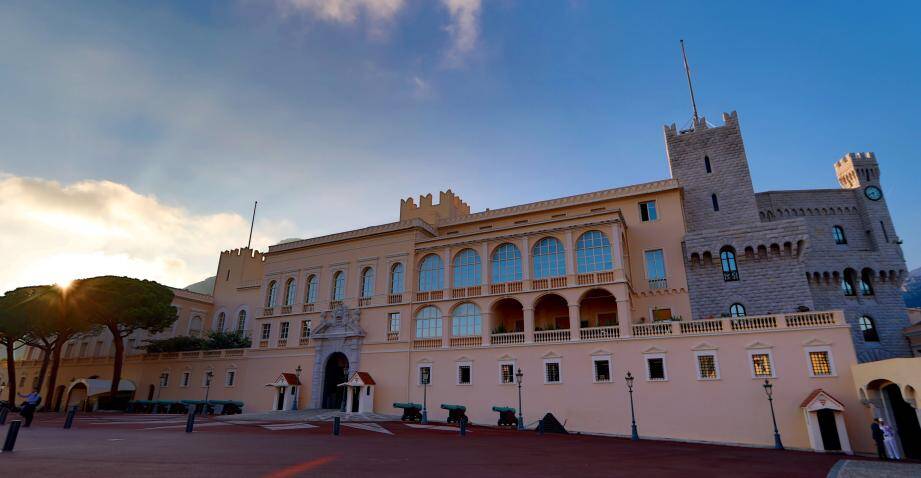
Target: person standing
{"points": [[880, 438], [889, 437], [28, 408]]}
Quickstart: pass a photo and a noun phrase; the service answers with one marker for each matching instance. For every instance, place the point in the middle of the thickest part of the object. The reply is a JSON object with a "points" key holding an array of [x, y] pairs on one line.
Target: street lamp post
{"points": [[160, 385], [297, 394], [345, 391], [519, 375], [633, 434], [209, 375], [425, 382], [769, 391]]}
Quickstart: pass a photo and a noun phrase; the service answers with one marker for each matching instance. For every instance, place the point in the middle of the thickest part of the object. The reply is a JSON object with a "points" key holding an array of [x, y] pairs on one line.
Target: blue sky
{"points": [[330, 111]]}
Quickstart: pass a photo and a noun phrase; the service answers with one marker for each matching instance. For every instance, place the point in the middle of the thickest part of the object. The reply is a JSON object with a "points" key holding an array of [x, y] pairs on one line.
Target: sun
{"points": [[64, 284]]}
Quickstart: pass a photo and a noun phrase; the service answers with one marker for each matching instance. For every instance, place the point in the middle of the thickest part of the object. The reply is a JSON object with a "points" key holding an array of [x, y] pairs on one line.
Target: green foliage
{"points": [[124, 305], [214, 341]]}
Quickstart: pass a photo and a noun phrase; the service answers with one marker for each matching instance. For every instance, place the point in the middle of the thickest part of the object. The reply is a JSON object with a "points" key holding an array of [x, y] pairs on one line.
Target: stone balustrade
{"points": [[545, 336]]}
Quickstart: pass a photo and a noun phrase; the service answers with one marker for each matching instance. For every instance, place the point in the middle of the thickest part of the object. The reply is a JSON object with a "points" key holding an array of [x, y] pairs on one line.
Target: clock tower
{"points": [[860, 172]]}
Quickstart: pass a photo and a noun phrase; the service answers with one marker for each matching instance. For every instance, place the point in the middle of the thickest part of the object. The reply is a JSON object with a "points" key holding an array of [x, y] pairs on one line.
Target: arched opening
{"points": [[507, 316], [551, 312], [598, 308], [906, 421], [77, 396], [337, 366]]}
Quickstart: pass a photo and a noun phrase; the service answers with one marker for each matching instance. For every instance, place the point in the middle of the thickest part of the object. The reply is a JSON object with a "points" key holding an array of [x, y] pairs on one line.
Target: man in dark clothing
{"points": [[879, 439], [28, 408]]}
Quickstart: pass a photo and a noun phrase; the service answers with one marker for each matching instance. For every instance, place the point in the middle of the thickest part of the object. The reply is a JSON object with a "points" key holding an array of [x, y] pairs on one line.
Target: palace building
{"points": [[696, 285]]}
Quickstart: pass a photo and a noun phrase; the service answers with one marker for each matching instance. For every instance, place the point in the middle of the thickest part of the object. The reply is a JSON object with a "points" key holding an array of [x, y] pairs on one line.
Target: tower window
{"points": [[707, 164], [716, 203], [737, 310], [847, 282], [868, 327], [648, 211], [838, 233], [882, 227], [728, 263]]}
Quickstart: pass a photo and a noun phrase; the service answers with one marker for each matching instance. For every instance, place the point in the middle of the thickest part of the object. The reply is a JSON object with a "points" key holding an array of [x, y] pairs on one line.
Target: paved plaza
{"points": [[157, 445]]}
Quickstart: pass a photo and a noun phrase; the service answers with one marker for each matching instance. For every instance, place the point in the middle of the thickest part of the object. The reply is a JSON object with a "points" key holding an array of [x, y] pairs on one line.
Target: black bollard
{"points": [[3, 413], [540, 427], [336, 426], [190, 421], [11, 435], [69, 421], [463, 426]]}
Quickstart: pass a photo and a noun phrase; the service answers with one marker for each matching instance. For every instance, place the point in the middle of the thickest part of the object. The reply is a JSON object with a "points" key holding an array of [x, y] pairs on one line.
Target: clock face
{"points": [[873, 193]]}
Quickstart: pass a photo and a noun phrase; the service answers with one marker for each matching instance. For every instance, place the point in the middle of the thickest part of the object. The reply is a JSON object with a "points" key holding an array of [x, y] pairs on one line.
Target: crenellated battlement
{"points": [[449, 206], [729, 119], [244, 251], [855, 170]]}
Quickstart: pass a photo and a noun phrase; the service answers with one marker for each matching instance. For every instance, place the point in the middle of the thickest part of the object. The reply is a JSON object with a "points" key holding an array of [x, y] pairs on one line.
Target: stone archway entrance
{"points": [[906, 421], [336, 371]]}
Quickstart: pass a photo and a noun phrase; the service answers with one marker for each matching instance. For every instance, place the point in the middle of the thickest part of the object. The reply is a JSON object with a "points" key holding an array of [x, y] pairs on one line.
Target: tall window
{"points": [[761, 365], [283, 332], [506, 264], [266, 331], [716, 202], [312, 286], [847, 282], [552, 371], [868, 328], [737, 310], [431, 273], [339, 285], [655, 269], [467, 268], [428, 322], [549, 259], [393, 320], [305, 329], [396, 279], [241, 321], [655, 368], [648, 211], [707, 164], [425, 375], [602, 370], [195, 326], [466, 320], [728, 263], [221, 318], [507, 372], [593, 253], [367, 282], [230, 377], [290, 292], [866, 282], [272, 296], [838, 233], [464, 373]]}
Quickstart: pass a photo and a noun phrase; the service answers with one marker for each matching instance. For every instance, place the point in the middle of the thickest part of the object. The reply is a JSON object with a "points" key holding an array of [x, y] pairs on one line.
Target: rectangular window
{"points": [[761, 365], [266, 331], [507, 373], [186, 378], [602, 368], [305, 328], [164, 379], [655, 368], [98, 351], [283, 333], [882, 227], [648, 211], [821, 363], [206, 378], [69, 351], [716, 202], [552, 371], [230, 378], [425, 375], [661, 313], [83, 348], [463, 374], [707, 369], [393, 321], [655, 268]]}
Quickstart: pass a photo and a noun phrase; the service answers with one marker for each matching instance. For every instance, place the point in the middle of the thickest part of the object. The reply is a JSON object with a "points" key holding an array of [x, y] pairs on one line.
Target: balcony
{"points": [[365, 301], [395, 298], [304, 341], [464, 292], [507, 338], [466, 342], [506, 287], [599, 333], [333, 304], [593, 278], [282, 343], [286, 309], [309, 307], [393, 336], [656, 284], [429, 343], [268, 311], [549, 283], [546, 336], [263, 344], [430, 295]]}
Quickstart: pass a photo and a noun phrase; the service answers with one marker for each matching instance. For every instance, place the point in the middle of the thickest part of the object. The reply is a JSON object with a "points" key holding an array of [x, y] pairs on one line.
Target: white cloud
{"points": [[464, 29], [54, 232], [378, 12]]}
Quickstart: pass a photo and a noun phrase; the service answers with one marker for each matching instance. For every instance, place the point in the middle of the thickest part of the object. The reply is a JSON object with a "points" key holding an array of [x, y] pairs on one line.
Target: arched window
{"points": [[866, 282], [868, 327], [506, 264], [396, 279], [549, 259], [290, 292], [428, 322], [707, 164], [272, 296], [593, 253], [847, 282], [367, 282], [312, 285], [339, 286], [467, 268], [466, 320], [241, 321], [838, 233], [728, 263], [195, 326], [737, 310], [221, 319], [431, 273], [716, 203]]}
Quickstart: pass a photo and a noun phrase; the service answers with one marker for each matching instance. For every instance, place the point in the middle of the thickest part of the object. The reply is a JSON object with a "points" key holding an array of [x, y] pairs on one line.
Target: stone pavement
{"points": [[874, 469], [311, 415]]}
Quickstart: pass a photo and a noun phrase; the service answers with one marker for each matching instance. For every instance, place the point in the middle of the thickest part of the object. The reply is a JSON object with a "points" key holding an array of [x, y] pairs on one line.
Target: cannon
{"points": [[456, 413], [412, 412], [507, 416]]}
